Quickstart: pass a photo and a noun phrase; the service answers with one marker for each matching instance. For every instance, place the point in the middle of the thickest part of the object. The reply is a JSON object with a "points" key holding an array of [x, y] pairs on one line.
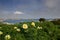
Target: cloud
{"points": [[18, 12], [51, 3]]}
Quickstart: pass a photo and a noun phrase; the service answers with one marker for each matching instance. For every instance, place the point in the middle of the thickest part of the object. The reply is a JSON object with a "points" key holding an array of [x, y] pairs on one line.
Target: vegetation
{"points": [[42, 19], [30, 31], [56, 22]]}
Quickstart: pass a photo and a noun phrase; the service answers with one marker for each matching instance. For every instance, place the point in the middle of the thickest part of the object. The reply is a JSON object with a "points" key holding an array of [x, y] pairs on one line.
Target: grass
{"points": [[49, 31]]}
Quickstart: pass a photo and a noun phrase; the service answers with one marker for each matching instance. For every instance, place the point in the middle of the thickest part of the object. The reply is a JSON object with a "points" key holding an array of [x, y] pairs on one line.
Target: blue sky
{"points": [[27, 9]]}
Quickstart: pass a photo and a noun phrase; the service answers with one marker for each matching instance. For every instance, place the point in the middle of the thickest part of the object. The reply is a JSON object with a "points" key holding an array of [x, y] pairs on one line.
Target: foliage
{"points": [[42, 19], [49, 31], [56, 22]]}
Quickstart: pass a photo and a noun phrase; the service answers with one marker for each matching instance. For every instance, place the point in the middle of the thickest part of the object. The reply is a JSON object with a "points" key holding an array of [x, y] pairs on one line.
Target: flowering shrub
{"points": [[7, 37], [33, 24], [25, 26], [26, 31], [1, 32]]}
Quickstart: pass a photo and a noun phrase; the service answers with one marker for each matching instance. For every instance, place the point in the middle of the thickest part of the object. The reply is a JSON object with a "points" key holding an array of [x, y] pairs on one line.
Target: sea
{"points": [[21, 20]]}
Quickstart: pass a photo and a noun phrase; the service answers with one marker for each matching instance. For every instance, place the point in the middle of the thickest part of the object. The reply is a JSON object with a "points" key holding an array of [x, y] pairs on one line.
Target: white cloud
{"points": [[18, 12]]}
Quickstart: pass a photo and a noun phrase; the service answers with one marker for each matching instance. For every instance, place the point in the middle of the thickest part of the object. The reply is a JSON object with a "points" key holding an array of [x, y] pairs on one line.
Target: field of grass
{"points": [[27, 31]]}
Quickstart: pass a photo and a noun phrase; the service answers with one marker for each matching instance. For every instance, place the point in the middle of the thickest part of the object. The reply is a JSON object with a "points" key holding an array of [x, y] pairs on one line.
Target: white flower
{"points": [[25, 26], [39, 27], [33, 24], [1, 32], [7, 37], [18, 30], [15, 27]]}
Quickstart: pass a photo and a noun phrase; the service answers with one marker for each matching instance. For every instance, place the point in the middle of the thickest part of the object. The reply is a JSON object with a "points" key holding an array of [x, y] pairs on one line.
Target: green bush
{"points": [[49, 31]]}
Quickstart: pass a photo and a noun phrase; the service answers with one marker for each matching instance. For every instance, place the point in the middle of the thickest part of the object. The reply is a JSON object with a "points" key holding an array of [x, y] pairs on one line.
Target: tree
{"points": [[42, 19]]}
